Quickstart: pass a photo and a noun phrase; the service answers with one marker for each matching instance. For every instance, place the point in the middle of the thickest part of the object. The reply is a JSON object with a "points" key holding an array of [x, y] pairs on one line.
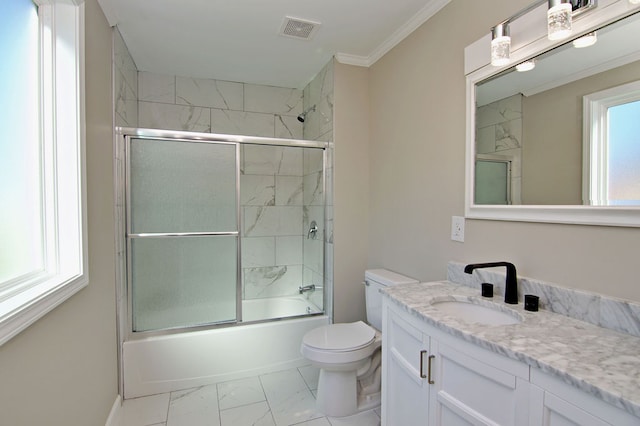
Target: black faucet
{"points": [[511, 284]]}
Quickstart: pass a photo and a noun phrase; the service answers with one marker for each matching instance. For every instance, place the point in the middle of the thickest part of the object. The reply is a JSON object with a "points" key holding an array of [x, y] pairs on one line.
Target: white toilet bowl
{"points": [[349, 355], [343, 354]]}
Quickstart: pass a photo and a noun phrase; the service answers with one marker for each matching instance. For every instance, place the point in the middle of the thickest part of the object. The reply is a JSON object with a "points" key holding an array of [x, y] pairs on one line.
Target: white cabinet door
{"points": [[558, 412], [473, 387], [405, 388], [554, 403]]}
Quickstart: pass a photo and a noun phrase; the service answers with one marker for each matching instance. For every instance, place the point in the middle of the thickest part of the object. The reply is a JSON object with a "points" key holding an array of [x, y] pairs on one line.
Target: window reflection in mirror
{"points": [[612, 146], [537, 118]]}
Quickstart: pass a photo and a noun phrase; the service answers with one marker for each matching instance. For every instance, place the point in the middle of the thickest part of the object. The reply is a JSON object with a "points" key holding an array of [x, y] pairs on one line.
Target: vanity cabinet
{"points": [[430, 377], [474, 387], [554, 403], [405, 349]]}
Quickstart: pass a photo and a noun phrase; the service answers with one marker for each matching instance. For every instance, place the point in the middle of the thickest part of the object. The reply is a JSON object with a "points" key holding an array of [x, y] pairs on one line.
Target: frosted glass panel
{"points": [[182, 186], [183, 281], [492, 182]]}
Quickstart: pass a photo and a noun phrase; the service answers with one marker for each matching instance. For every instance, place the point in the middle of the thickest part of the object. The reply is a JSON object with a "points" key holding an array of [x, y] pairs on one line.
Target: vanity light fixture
{"points": [[634, 1], [560, 14], [500, 44], [586, 40], [559, 19], [526, 65]]}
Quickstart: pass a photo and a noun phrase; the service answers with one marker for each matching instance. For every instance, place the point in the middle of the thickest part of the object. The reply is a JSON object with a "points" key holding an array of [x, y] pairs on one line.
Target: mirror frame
{"points": [[529, 39]]}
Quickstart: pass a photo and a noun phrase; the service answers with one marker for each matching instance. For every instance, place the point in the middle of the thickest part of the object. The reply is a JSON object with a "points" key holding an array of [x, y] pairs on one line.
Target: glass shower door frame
{"points": [[130, 236]]}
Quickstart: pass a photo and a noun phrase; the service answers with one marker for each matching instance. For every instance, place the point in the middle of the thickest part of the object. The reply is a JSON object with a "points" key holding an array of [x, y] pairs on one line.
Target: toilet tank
{"points": [[376, 279]]}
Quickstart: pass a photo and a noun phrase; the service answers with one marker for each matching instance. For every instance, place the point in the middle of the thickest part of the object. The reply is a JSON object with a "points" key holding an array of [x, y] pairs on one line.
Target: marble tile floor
{"points": [[282, 398]]}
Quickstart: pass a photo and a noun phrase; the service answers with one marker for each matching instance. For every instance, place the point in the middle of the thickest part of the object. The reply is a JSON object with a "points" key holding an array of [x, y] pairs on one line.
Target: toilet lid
{"points": [[340, 337]]}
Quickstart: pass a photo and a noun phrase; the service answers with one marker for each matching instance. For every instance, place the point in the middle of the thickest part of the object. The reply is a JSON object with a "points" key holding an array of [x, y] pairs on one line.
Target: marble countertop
{"points": [[600, 361]]}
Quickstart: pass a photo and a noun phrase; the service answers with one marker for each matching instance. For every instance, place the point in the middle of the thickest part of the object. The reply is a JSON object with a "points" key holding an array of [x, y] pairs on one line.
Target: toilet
{"points": [[349, 355]]}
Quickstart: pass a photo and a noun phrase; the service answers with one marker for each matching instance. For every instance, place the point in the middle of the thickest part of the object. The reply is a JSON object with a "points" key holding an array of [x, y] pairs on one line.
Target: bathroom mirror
{"points": [[560, 142]]}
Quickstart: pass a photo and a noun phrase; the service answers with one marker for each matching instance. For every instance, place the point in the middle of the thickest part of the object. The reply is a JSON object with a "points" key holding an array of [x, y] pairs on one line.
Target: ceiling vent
{"points": [[298, 28]]}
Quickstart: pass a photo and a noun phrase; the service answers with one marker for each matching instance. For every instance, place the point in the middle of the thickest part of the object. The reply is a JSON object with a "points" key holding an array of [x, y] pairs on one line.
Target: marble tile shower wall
{"points": [[499, 132], [125, 87], [319, 126], [215, 106], [272, 207], [282, 189], [125, 78], [275, 182]]}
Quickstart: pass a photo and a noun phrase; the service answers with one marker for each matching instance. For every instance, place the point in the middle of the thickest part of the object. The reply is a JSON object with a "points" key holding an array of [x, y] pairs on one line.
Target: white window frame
{"points": [[596, 139], [62, 125]]}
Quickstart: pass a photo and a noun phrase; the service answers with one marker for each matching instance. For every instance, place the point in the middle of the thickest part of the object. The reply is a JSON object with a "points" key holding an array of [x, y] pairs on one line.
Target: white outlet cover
{"points": [[457, 228]]}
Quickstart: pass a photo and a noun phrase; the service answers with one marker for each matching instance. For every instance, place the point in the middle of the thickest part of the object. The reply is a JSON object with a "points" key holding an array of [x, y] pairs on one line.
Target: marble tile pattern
{"points": [[499, 132], [281, 188], [499, 125], [278, 186], [597, 360], [280, 398], [208, 105], [319, 92], [503, 116], [615, 314], [271, 281], [155, 115], [125, 82], [319, 126]]}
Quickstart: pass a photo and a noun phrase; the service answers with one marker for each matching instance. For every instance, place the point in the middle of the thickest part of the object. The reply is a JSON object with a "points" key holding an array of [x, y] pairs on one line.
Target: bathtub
{"points": [[167, 363]]}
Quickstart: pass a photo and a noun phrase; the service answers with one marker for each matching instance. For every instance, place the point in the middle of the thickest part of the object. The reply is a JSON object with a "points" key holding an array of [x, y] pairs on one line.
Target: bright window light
{"points": [[42, 223]]}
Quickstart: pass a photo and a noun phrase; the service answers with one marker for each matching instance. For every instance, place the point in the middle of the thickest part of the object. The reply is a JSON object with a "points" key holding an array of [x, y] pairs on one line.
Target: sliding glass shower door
{"points": [[182, 233]]}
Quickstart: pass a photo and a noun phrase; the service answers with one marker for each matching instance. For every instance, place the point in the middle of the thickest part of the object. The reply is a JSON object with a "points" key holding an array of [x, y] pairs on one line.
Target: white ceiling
{"points": [[238, 40]]}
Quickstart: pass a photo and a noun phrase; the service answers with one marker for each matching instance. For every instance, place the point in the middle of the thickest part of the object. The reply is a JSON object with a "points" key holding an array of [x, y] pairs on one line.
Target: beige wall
{"points": [[552, 137], [62, 370], [351, 190], [416, 153]]}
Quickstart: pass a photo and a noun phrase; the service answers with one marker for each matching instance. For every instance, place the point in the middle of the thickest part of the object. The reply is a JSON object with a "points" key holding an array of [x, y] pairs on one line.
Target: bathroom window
{"points": [[42, 220], [612, 146]]}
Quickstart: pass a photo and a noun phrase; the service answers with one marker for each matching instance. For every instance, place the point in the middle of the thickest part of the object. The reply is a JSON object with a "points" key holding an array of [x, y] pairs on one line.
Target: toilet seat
{"points": [[340, 346], [340, 337]]}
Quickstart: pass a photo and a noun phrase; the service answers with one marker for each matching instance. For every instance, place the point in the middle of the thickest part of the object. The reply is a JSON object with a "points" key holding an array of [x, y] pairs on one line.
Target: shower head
{"points": [[303, 116]]}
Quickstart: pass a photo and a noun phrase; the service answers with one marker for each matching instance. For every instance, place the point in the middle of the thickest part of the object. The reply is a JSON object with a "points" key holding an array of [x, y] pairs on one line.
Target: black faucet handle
{"points": [[511, 283]]}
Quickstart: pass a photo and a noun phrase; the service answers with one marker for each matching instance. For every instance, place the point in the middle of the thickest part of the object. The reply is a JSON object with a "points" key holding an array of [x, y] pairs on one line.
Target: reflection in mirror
{"points": [[569, 128]]}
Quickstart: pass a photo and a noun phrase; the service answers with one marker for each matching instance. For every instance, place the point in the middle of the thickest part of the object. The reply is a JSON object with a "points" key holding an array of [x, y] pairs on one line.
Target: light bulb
{"points": [[586, 40], [526, 66], [558, 20]]}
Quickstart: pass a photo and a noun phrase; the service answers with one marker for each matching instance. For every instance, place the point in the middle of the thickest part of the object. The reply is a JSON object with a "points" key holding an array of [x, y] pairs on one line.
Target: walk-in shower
{"points": [[221, 239]]}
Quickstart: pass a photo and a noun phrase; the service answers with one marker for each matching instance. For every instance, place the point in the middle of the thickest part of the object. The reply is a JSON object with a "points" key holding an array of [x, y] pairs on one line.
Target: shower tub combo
{"points": [[221, 256]]}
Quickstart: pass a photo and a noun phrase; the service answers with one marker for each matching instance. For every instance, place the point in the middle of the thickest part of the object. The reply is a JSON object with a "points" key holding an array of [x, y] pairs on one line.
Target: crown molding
{"points": [[400, 34]]}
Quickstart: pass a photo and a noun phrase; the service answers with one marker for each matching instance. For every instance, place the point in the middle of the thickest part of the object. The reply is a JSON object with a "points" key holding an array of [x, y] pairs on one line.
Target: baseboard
{"points": [[115, 414]]}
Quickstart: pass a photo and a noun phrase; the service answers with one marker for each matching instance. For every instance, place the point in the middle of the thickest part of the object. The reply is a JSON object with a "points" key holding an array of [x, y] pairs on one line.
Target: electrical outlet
{"points": [[457, 228]]}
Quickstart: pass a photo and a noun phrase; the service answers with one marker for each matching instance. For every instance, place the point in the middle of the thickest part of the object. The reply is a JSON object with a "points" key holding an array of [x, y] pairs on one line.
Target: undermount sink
{"points": [[472, 312]]}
